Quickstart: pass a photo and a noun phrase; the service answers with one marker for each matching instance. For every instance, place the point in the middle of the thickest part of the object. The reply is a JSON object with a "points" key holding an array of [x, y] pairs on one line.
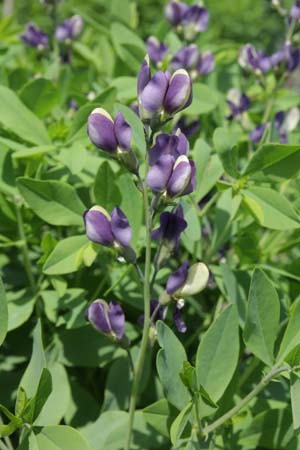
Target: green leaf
{"points": [[271, 209], [225, 144], [262, 317], [116, 395], [205, 100], [40, 95], [138, 133], [188, 376], [295, 399], [128, 45], [106, 191], [61, 437], [36, 403], [20, 305], [12, 426], [7, 175], [272, 157], [160, 415], [37, 363], [16, 117], [3, 313], [66, 256], [21, 401], [169, 363], [180, 423], [291, 337], [217, 354], [55, 202]]}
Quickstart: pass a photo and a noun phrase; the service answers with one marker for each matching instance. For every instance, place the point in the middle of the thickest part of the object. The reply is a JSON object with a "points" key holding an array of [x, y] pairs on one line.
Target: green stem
{"points": [[3, 446], [131, 364], [144, 343], [233, 411], [25, 250]]}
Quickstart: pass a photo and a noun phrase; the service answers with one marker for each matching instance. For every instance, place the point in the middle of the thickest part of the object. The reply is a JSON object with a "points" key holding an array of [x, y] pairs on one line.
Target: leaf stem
{"points": [[144, 343], [24, 247], [233, 411]]}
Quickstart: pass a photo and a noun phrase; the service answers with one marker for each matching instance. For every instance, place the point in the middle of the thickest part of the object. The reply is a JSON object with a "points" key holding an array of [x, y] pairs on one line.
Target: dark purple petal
{"points": [[187, 128], [244, 103], [257, 133], [196, 16], [120, 227], [156, 50], [278, 121], [154, 93], [101, 130], [177, 279], [178, 95], [168, 144], [69, 28], [186, 58], [174, 12], [117, 319], [144, 76], [179, 323], [123, 131], [34, 37], [160, 172], [172, 224], [98, 227], [97, 314], [293, 59], [180, 177], [206, 64]]}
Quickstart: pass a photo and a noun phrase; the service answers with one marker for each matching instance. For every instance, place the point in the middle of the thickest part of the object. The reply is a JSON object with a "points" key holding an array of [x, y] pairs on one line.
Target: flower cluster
{"points": [[188, 20]]}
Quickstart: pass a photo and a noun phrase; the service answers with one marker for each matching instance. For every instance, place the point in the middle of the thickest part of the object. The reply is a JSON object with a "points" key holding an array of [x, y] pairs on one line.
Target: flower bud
{"points": [[257, 133], [172, 224], [107, 319], [186, 58], [107, 230], [174, 12], [180, 177], [179, 93], [34, 37], [187, 281], [156, 50], [194, 21], [69, 28], [206, 64]]}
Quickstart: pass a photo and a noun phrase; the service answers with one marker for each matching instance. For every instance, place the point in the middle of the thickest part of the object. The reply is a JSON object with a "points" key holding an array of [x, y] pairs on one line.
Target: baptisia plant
{"points": [[169, 174]]}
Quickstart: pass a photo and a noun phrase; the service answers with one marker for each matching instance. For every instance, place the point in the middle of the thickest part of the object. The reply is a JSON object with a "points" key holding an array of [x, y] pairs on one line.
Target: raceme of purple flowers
{"points": [[193, 61]]}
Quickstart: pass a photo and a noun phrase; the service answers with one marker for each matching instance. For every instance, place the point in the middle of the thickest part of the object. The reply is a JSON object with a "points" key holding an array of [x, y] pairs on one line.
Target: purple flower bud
{"points": [[107, 230], [180, 177], [237, 102], [177, 279], [156, 50], [288, 56], [285, 122], [159, 174], [295, 11], [169, 144], [179, 322], [196, 17], [172, 224], [107, 319], [206, 63], [174, 12], [107, 134], [69, 29], [179, 94], [256, 135], [34, 37], [186, 58], [254, 60], [187, 128]]}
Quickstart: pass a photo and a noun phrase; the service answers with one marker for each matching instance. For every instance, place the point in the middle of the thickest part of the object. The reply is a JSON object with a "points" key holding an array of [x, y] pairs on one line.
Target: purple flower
{"points": [[256, 134], [287, 57], [172, 224], [206, 63], [162, 93], [168, 144], [69, 29], [295, 11], [186, 58], [177, 317], [195, 20], [285, 122], [254, 60], [108, 134], [237, 102], [188, 128], [174, 12], [107, 230], [156, 50], [178, 278], [34, 37], [107, 319]]}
